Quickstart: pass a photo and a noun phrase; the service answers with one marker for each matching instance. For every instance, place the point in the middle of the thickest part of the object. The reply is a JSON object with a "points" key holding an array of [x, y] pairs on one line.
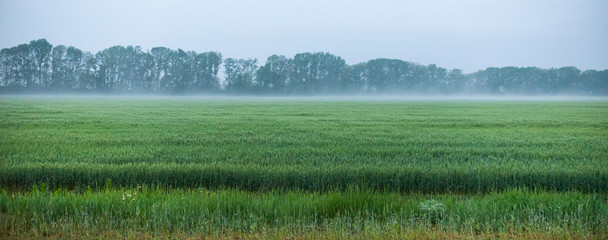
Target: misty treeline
{"points": [[41, 67]]}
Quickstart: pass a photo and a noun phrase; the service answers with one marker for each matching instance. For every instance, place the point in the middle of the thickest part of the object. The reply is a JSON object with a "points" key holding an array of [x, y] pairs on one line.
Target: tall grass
{"points": [[310, 169], [355, 211], [255, 178], [427, 147]]}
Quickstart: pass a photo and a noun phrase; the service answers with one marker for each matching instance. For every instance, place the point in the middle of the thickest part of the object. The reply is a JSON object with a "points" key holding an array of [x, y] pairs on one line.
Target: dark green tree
{"points": [[40, 52], [273, 77], [240, 75]]}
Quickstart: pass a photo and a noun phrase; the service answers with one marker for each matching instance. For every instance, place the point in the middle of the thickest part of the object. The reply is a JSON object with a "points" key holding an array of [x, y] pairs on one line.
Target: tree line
{"points": [[42, 67]]}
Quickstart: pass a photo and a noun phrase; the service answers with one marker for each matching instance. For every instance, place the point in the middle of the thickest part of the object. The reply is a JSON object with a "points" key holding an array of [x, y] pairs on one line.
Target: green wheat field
{"points": [[302, 168]]}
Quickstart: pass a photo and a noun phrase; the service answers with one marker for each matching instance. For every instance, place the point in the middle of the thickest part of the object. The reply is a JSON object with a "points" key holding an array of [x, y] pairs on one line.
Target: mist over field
{"points": [[326, 98]]}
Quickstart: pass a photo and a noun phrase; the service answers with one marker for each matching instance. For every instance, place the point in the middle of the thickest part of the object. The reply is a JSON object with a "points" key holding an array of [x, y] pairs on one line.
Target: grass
{"points": [[266, 169], [427, 147], [200, 212]]}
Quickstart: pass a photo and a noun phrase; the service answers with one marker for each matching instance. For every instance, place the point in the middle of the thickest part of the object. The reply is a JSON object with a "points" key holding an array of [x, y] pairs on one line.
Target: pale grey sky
{"points": [[470, 35]]}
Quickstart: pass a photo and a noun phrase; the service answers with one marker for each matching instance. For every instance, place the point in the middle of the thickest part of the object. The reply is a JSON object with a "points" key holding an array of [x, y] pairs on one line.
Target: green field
{"points": [[346, 162]]}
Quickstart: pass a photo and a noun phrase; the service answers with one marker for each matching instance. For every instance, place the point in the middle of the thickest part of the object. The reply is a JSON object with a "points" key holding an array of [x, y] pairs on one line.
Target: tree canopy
{"points": [[42, 67]]}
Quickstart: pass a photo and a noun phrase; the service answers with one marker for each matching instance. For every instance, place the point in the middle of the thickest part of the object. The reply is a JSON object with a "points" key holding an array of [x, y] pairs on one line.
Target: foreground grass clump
{"points": [[313, 145], [200, 212]]}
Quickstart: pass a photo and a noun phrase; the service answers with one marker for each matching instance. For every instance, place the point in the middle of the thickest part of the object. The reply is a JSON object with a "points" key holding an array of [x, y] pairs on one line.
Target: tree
{"points": [[388, 75], [273, 77], [316, 73], [40, 53], [240, 75], [9, 67], [356, 78], [88, 72], [25, 66], [38, 66], [179, 71], [59, 68], [205, 68], [568, 78], [125, 69], [110, 74], [455, 82], [161, 56]]}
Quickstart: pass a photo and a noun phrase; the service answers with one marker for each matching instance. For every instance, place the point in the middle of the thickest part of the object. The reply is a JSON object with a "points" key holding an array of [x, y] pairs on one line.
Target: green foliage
{"points": [[432, 206], [39, 67], [432, 210], [240, 74]]}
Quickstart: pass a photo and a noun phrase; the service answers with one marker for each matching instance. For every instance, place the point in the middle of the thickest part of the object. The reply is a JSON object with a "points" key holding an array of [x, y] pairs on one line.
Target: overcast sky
{"points": [[470, 35]]}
